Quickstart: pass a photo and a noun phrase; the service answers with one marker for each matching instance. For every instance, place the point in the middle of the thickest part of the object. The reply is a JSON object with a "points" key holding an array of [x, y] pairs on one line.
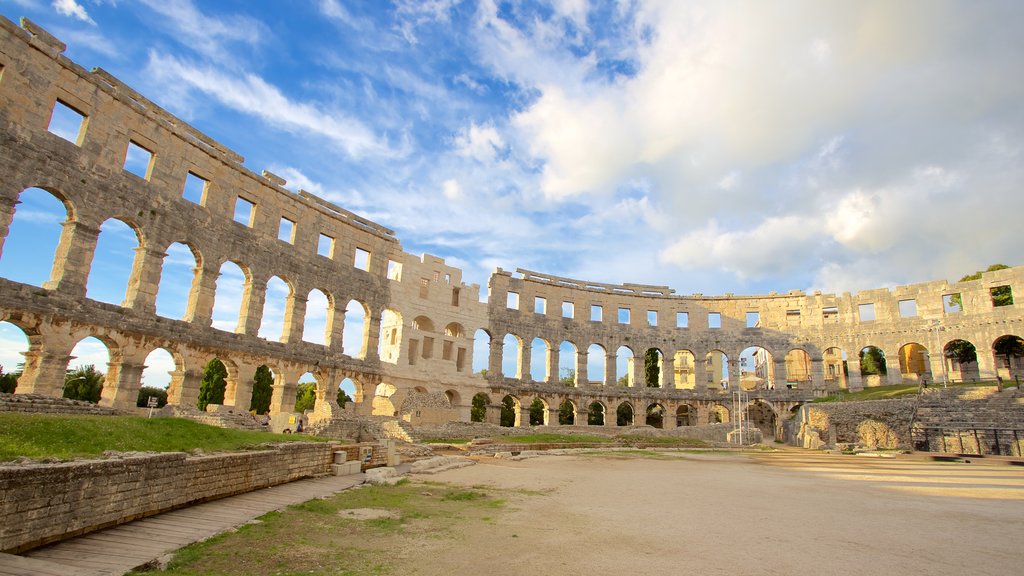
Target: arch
{"points": [[686, 415], [389, 345], [684, 366], [624, 366], [596, 364], [567, 360], [763, 417], [624, 414], [538, 412], [160, 364], [178, 274], [654, 368], [567, 413], [262, 389], [305, 392], [1008, 356], [14, 343], [798, 369], [453, 396], [481, 351], [423, 324], [478, 407], [87, 369], [961, 361], [381, 405], [757, 368], [540, 352], [316, 322], [112, 262], [836, 368], [655, 415], [355, 336], [718, 414], [511, 356], [914, 362], [716, 368], [596, 414], [28, 253], [511, 409], [227, 301], [275, 303], [454, 330], [872, 365]]}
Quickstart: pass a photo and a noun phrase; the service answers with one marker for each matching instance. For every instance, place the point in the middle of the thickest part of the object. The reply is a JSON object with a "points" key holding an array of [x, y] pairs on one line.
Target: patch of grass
{"points": [[876, 393], [554, 439], [64, 437], [464, 495], [667, 441]]}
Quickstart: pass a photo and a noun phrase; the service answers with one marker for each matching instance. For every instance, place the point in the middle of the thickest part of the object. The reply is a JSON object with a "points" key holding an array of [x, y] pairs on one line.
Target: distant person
{"points": [[298, 427]]}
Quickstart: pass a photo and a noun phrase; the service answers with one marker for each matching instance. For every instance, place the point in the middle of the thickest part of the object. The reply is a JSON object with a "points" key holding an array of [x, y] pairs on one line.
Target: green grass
{"points": [[885, 392], [444, 441], [553, 439], [39, 436]]}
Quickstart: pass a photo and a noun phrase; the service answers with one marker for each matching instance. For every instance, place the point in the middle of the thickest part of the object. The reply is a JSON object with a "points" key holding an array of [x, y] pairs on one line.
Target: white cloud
{"points": [[482, 143], [73, 9], [204, 32], [451, 189]]}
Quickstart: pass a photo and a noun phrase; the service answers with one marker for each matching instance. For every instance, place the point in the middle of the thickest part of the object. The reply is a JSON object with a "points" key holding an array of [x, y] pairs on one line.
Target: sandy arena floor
{"points": [[786, 513]]}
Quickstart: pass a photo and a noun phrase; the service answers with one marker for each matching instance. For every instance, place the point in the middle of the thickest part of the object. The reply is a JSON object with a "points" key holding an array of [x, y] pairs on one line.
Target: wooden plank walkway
{"points": [[117, 550]]}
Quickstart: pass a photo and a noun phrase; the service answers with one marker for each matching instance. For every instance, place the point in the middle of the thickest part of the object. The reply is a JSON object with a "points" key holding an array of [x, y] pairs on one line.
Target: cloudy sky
{"points": [[710, 146]]}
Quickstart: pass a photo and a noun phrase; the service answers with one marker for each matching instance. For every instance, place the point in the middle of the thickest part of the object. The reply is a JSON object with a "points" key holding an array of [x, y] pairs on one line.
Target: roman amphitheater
{"points": [[420, 319]]}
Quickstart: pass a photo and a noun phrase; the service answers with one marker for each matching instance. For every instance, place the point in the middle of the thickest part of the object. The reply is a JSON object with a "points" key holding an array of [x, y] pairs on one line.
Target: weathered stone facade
{"points": [[420, 317]]}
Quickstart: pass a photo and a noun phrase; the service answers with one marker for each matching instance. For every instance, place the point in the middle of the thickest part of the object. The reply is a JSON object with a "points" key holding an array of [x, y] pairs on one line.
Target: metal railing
{"points": [[979, 440]]}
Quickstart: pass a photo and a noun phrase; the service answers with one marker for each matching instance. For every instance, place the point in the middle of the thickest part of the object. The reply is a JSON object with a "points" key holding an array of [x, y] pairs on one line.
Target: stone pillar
{"points": [[336, 328], [780, 376], [700, 374], [525, 363], [668, 372], [854, 380], [523, 416], [581, 369], [637, 367], [986, 365], [552, 361], [44, 371], [251, 315], [238, 393], [371, 335], [609, 370], [493, 414], [326, 406], [144, 282], [495, 359], [892, 376], [71, 263], [122, 383], [7, 208], [283, 397], [611, 416], [200, 299], [818, 375], [553, 417], [184, 388], [294, 318]]}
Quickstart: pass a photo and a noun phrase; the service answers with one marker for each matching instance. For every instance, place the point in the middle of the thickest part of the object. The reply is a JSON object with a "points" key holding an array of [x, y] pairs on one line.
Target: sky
{"points": [[713, 147]]}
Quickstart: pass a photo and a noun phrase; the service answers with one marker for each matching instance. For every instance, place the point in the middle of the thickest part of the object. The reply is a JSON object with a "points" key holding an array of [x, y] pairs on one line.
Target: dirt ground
{"points": [[786, 513]]}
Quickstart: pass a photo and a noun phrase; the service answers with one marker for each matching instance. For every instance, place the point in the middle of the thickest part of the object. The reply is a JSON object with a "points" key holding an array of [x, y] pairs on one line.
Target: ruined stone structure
{"points": [[420, 318]]}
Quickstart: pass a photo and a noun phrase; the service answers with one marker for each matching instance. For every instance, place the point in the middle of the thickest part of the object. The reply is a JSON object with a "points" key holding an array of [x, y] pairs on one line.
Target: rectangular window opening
{"points": [[568, 310], [424, 287], [67, 122], [652, 317], [325, 246], [623, 316], [286, 231], [394, 271], [195, 189], [908, 308], [1001, 296], [682, 319], [512, 301], [428, 347], [138, 160], [244, 211], [540, 305], [455, 297], [596, 313], [714, 320], [362, 260], [753, 319], [952, 303], [830, 314], [866, 312]]}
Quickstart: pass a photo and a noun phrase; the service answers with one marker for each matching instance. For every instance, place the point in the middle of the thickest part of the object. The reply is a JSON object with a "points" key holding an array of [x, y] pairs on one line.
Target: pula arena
{"points": [[420, 319]]}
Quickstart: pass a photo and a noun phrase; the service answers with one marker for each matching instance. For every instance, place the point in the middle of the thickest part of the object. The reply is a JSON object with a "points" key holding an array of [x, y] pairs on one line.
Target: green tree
{"points": [[566, 415], [147, 392], [955, 301], [508, 412], [623, 415], [537, 410], [478, 408], [872, 361], [262, 390], [211, 391], [8, 381], [595, 414], [343, 398], [83, 383], [961, 352], [569, 379], [305, 396], [652, 371]]}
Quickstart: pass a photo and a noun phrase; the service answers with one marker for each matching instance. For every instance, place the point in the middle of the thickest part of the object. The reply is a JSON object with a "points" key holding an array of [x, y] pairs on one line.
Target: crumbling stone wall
{"points": [[39, 404], [871, 423]]}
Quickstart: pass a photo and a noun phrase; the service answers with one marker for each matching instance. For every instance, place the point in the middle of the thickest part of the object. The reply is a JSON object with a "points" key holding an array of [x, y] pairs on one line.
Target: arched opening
{"points": [[511, 358], [87, 370], [14, 344], [538, 412], [478, 407], [510, 409], [157, 374], [595, 364], [227, 302], [390, 341], [1008, 354], [177, 276], [624, 366], [716, 369], [762, 416], [354, 338], [305, 395], [567, 364], [686, 415], [757, 369], [595, 414], [624, 414], [872, 366], [35, 232], [654, 376], [214, 386], [655, 416], [382, 405], [685, 377], [718, 414], [540, 352], [347, 393], [454, 398], [454, 330], [481, 351], [315, 322], [836, 368], [566, 413], [914, 363], [112, 262], [798, 370], [423, 324], [961, 361], [275, 302]]}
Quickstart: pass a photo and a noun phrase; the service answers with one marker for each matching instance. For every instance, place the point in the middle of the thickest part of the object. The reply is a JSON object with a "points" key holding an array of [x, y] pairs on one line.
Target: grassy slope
{"points": [[58, 436]]}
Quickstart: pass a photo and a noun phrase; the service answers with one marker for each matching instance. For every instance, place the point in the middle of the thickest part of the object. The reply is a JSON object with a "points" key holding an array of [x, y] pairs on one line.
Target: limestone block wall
{"points": [[47, 502], [858, 422], [38, 404]]}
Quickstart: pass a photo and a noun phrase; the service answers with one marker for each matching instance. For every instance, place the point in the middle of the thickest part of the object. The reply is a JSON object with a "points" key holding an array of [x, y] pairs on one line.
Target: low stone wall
{"points": [[45, 502], [869, 423], [38, 404]]}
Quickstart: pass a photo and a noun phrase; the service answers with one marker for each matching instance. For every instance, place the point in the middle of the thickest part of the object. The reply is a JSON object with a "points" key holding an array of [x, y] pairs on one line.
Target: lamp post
{"points": [[935, 328]]}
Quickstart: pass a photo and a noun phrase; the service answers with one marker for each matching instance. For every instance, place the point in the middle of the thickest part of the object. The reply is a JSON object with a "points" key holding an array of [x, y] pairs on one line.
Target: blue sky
{"points": [[714, 147]]}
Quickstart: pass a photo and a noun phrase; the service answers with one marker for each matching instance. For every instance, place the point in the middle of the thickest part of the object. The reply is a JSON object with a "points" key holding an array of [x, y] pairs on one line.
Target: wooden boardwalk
{"points": [[117, 550]]}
